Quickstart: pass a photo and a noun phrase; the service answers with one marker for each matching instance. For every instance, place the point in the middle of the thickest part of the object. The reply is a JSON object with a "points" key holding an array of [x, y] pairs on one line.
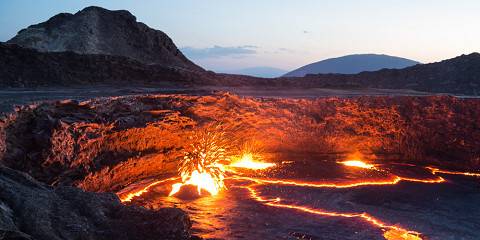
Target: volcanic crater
{"points": [[420, 150]]}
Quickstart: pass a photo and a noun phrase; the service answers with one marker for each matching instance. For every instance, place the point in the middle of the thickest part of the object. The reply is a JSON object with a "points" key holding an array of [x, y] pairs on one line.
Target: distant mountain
{"points": [[353, 64], [264, 72], [100, 47], [22, 67], [96, 30], [457, 75]]}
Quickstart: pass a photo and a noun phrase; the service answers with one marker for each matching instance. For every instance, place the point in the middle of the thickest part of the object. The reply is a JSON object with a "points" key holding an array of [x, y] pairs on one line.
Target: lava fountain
{"points": [[202, 165]]}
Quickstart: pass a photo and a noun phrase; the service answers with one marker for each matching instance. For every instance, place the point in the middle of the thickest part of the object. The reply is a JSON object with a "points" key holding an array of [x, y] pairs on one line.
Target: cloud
{"points": [[218, 51], [285, 50]]}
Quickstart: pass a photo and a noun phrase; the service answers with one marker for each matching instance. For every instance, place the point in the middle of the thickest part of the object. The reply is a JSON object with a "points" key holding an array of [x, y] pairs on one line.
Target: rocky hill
{"points": [[23, 67], [95, 30], [353, 64], [100, 47]]}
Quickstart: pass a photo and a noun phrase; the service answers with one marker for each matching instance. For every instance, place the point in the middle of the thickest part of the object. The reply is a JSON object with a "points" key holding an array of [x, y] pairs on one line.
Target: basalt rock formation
{"points": [[32, 210], [106, 144], [23, 67], [96, 30]]}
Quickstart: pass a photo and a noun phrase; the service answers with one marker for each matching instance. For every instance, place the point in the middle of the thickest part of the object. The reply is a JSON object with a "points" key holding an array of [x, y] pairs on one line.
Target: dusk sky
{"points": [[223, 35]]}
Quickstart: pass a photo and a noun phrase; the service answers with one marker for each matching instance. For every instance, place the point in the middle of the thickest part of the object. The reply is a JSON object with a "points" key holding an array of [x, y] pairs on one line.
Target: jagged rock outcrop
{"points": [[32, 210], [96, 30], [106, 144]]}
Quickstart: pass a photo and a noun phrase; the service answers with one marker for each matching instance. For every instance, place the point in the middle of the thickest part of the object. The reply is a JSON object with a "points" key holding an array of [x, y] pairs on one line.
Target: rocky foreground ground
{"points": [[33, 210], [103, 145]]}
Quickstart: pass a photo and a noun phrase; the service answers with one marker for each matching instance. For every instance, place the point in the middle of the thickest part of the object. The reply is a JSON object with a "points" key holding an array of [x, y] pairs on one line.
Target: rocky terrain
{"points": [[53, 151], [96, 30], [32, 210], [29, 68], [105, 144], [101, 47]]}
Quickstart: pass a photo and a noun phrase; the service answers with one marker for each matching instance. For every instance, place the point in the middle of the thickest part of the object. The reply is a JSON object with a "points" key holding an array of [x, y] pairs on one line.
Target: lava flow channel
{"points": [[393, 181], [128, 197], [436, 170], [392, 232]]}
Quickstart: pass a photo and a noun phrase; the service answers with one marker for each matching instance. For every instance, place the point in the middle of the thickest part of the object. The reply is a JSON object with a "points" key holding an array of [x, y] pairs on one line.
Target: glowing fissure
{"points": [[392, 181], [211, 179], [436, 170], [399, 232], [138, 193]]}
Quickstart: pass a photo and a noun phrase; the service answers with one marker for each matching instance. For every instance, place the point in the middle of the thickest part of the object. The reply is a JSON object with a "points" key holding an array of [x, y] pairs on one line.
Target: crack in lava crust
{"points": [[399, 233], [393, 181], [391, 232], [129, 196]]}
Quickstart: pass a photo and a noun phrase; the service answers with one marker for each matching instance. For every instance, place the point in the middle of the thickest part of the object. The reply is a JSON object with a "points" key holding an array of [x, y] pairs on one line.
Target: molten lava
{"points": [[247, 161], [202, 168], [393, 232], [436, 170], [138, 193], [202, 180], [202, 164], [357, 163]]}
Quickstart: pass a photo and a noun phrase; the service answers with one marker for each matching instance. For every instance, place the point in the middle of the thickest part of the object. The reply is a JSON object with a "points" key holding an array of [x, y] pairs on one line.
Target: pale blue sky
{"points": [[230, 34]]}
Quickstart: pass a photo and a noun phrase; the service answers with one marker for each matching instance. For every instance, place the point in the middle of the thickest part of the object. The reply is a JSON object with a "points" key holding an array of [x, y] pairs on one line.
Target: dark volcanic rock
{"points": [[22, 67], [95, 30], [32, 210], [456, 75]]}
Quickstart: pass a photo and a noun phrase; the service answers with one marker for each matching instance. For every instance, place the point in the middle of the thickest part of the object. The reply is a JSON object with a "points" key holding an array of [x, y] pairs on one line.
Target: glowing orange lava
{"points": [[357, 163], [436, 170], [202, 180], [210, 178], [392, 232], [247, 161], [392, 181], [202, 165], [138, 193]]}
